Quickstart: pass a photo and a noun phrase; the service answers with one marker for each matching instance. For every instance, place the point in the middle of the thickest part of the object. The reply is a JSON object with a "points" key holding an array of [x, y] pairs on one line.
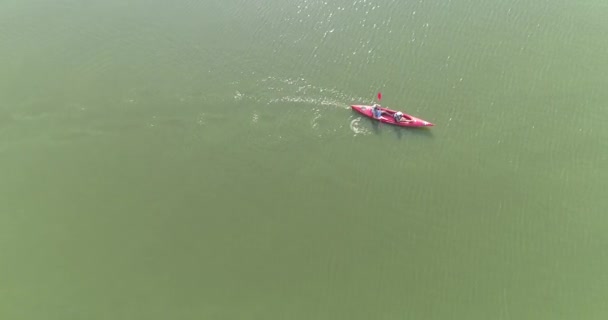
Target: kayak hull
{"points": [[387, 117]]}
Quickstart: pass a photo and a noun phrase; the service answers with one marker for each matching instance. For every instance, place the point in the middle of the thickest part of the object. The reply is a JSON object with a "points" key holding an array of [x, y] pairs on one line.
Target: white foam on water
{"points": [[298, 90], [355, 126], [238, 96], [314, 122], [309, 100], [200, 119]]}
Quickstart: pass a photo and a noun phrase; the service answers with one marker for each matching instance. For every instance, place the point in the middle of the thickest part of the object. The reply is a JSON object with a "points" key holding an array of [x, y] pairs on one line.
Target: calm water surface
{"points": [[199, 160]]}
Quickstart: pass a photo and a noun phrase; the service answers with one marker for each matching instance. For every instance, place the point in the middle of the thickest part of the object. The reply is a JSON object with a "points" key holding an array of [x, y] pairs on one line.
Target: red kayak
{"points": [[387, 117]]}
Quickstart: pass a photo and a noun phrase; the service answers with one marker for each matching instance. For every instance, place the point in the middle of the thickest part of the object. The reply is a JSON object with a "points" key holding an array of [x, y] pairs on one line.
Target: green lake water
{"points": [[199, 160]]}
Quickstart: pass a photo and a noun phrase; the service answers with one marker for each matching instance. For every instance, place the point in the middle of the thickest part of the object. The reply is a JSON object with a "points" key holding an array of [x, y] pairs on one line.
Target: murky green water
{"points": [[199, 160]]}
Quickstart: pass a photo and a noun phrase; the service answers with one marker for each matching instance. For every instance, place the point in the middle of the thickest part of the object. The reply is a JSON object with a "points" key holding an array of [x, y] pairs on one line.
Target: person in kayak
{"points": [[398, 116], [376, 112]]}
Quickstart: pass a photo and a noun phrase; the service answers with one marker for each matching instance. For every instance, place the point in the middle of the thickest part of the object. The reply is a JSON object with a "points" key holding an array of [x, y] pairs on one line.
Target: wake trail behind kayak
{"points": [[275, 90], [300, 102]]}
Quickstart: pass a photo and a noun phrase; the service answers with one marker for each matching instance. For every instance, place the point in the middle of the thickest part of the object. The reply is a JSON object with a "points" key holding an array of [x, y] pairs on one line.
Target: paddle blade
{"points": [[379, 96]]}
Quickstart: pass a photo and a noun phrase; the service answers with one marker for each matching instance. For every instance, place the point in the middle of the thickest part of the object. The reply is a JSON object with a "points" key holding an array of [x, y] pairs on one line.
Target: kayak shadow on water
{"points": [[404, 132], [375, 126], [401, 132]]}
